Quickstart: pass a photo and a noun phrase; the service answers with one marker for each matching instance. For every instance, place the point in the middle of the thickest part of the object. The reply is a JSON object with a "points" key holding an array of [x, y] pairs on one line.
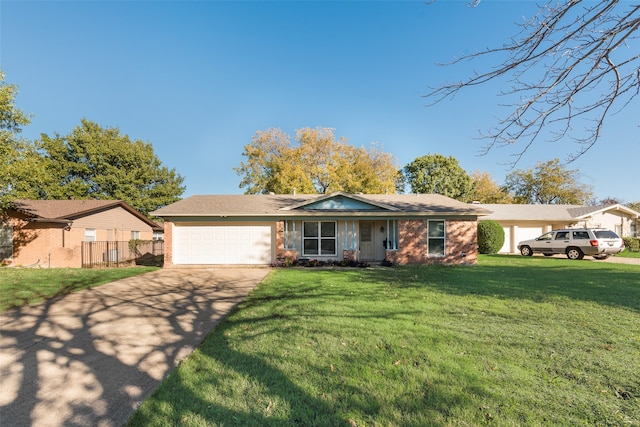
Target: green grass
{"points": [[513, 341], [627, 254], [22, 286]]}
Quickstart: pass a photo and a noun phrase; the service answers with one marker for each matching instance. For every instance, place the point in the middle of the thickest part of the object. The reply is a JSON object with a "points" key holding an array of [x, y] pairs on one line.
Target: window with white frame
{"points": [[158, 235], [391, 241], [319, 238], [6, 242], [135, 235], [436, 238], [290, 235], [89, 234]]}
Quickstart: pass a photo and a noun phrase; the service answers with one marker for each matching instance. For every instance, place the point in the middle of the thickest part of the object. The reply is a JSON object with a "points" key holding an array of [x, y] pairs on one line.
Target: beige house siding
{"points": [[114, 224], [613, 220]]}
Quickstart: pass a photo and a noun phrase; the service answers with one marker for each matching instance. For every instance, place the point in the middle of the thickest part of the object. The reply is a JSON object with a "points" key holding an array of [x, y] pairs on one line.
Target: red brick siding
{"points": [[168, 243], [460, 245], [50, 245], [281, 252]]}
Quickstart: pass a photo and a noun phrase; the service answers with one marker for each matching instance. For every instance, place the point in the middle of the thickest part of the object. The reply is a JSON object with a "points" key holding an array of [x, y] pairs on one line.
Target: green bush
{"points": [[490, 236], [632, 244]]}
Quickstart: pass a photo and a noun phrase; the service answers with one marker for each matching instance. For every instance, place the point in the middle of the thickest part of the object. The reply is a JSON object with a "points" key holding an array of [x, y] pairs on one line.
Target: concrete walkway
{"points": [[90, 358]]}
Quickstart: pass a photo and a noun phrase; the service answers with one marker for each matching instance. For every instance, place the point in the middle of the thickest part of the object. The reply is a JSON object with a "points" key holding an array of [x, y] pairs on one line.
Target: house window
{"points": [[391, 241], [436, 238], [89, 234], [6, 242], [319, 238], [135, 235], [158, 235], [290, 235]]}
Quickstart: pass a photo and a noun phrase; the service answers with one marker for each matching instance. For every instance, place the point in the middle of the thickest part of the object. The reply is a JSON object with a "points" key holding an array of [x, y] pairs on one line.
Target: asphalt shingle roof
{"points": [[61, 209], [278, 204], [71, 209], [505, 212]]}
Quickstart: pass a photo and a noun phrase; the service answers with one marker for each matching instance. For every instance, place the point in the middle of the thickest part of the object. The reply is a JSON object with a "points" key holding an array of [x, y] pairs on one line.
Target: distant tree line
{"points": [[318, 162], [94, 162]]}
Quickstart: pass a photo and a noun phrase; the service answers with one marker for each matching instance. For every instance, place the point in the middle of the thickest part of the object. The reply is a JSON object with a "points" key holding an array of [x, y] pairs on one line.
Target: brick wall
{"points": [[168, 243], [41, 245], [281, 252], [461, 245], [52, 245]]}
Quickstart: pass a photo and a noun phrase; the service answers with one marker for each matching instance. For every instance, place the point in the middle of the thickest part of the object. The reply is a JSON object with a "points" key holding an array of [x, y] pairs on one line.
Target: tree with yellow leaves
{"points": [[316, 162]]}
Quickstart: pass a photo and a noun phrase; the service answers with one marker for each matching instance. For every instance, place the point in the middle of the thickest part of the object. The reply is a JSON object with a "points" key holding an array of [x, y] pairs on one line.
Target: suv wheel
{"points": [[526, 251], [574, 253]]}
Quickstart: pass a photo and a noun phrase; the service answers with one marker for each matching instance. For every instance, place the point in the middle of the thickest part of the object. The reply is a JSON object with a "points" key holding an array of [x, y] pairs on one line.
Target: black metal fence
{"points": [[122, 254]]}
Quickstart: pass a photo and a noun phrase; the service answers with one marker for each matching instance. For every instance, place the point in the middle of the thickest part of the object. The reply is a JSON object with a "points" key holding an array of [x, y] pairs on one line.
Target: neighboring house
{"points": [[523, 222], [50, 233], [259, 229]]}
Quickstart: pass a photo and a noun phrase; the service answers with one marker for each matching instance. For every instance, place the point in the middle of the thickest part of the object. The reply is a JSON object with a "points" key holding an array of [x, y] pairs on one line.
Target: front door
{"points": [[367, 248]]}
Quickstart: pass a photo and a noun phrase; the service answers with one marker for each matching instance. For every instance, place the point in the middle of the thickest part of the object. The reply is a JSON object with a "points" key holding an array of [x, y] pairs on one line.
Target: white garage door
{"points": [[526, 233], [229, 244]]}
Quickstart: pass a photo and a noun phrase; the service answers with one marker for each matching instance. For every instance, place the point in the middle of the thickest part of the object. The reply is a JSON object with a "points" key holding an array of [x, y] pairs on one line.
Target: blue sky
{"points": [[198, 79]]}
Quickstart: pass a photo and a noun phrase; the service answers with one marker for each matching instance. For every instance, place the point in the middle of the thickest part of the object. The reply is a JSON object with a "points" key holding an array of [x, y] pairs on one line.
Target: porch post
{"points": [[286, 233], [353, 234], [293, 222], [345, 244]]}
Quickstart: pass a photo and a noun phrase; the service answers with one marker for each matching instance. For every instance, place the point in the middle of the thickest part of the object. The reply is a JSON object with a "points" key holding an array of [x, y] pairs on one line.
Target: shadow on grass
{"points": [[323, 397], [300, 303], [336, 401], [90, 358], [535, 279]]}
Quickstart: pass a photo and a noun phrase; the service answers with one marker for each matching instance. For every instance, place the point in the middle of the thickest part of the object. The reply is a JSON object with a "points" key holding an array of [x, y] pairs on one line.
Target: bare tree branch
{"points": [[569, 67]]}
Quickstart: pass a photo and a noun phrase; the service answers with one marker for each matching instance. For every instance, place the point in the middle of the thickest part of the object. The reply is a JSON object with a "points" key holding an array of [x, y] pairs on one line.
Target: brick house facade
{"points": [[460, 244], [261, 229], [49, 233]]}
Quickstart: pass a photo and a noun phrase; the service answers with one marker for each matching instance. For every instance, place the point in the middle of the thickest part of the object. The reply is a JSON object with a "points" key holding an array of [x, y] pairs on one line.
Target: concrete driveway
{"points": [[90, 358]]}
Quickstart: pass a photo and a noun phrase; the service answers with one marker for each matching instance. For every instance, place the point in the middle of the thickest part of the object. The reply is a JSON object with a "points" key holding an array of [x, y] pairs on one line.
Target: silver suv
{"points": [[575, 243]]}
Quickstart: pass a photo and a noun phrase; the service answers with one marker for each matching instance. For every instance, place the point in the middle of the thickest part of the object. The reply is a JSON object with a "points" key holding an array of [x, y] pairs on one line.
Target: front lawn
{"points": [[22, 286], [628, 254], [513, 341]]}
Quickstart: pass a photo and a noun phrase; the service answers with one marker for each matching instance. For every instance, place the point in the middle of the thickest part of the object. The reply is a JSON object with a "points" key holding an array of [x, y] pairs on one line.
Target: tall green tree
{"points": [[435, 173], [548, 183], [101, 163], [315, 162], [634, 205], [487, 190], [14, 150]]}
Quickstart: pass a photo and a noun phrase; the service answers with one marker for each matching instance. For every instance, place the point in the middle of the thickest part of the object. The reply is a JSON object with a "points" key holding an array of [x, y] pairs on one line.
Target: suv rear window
{"points": [[581, 235], [606, 234]]}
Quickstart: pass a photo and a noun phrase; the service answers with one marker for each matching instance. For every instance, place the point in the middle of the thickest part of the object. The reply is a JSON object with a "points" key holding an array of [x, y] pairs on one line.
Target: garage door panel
{"points": [[230, 244], [527, 233]]}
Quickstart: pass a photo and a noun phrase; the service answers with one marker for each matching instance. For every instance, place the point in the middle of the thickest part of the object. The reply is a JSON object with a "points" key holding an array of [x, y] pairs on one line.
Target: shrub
{"points": [[490, 236], [632, 244]]}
